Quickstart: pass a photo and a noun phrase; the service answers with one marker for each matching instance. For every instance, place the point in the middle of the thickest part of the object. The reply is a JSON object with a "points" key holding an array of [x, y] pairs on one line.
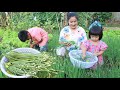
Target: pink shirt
{"points": [[96, 48], [38, 33]]}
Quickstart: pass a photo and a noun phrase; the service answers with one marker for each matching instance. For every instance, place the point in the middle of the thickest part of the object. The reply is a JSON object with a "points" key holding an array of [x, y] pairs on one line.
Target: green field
{"points": [[110, 69]]}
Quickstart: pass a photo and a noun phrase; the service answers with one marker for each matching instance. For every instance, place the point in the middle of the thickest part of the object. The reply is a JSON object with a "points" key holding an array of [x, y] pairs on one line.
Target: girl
{"points": [[95, 44]]}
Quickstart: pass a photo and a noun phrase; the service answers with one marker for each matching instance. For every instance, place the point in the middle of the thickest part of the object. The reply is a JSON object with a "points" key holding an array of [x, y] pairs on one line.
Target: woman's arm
{"points": [[62, 37]]}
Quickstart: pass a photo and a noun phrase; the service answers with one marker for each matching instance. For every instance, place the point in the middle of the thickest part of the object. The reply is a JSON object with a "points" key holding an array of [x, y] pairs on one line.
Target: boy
{"points": [[38, 38]]}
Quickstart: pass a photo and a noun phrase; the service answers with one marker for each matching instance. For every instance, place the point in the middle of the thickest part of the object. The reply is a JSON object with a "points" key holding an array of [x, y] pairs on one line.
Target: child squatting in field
{"points": [[95, 45], [38, 38]]}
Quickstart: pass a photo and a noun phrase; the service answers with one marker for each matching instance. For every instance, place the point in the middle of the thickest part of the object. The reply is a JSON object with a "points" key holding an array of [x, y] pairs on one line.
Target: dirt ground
{"points": [[111, 28]]}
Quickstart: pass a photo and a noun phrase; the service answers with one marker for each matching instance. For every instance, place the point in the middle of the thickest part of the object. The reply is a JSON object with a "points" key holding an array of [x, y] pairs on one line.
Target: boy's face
{"points": [[94, 38], [29, 36], [73, 22]]}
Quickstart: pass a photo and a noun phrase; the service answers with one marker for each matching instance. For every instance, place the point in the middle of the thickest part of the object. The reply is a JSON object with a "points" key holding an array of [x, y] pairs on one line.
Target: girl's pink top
{"points": [[96, 48]]}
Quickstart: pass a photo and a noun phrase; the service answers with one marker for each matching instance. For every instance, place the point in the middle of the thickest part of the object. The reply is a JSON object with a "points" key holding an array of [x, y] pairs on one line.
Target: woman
{"points": [[73, 33]]}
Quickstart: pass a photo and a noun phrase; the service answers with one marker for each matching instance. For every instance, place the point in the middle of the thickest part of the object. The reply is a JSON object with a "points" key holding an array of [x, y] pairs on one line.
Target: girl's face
{"points": [[94, 38], [73, 23]]}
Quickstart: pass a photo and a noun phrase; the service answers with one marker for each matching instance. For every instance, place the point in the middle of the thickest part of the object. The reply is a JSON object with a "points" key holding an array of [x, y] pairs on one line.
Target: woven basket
{"points": [[5, 60]]}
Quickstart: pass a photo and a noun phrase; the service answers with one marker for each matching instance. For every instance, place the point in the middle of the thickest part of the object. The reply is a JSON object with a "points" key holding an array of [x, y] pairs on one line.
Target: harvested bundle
{"points": [[35, 65]]}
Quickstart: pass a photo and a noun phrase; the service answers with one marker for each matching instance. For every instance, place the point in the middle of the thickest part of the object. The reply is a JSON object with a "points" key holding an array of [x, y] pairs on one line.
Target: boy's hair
{"points": [[23, 35], [96, 30], [71, 14]]}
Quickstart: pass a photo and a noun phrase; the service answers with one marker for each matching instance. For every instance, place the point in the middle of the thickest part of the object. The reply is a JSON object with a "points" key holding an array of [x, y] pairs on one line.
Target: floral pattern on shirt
{"points": [[96, 48], [67, 35]]}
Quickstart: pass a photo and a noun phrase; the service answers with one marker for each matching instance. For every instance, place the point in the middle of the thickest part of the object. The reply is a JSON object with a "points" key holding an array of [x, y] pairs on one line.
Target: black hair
{"points": [[23, 35], [72, 14], [96, 30]]}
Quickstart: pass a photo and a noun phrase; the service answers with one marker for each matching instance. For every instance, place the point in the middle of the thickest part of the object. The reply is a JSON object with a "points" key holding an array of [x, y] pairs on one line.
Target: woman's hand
{"points": [[67, 44]]}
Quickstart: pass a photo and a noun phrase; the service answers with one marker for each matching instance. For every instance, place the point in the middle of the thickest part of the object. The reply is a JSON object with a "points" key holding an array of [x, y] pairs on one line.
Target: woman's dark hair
{"points": [[96, 30], [71, 14], [23, 35]]}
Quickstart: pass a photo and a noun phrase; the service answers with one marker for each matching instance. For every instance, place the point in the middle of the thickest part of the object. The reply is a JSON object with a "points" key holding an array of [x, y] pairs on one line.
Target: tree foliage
{"points": [[50, 21], [103, 16]]}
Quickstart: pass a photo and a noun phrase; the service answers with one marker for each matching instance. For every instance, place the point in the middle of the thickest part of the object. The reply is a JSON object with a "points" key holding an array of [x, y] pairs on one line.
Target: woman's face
{"points": [[73, 23]]}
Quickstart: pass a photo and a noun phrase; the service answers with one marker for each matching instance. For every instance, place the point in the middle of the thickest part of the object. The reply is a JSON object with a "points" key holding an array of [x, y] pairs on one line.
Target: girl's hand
{"points": [[83, 56], [96, 54]]}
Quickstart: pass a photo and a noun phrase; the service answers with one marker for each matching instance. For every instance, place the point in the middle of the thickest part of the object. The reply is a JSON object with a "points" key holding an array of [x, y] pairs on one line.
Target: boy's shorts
{"points": [[42, 48]]}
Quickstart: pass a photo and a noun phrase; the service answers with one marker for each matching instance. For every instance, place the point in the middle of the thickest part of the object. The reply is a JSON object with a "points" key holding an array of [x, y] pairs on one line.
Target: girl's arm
{"points": [[102, 49], [98, 53], [84, 49]]}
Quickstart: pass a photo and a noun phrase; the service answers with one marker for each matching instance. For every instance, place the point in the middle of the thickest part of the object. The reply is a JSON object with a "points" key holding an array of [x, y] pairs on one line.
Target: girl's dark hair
{"points": [[96, 30], [71, 14], [23, 35]]}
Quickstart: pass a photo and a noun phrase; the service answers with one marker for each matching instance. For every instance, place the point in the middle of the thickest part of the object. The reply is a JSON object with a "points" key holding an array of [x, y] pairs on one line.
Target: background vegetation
{"points": [[53, 22]]}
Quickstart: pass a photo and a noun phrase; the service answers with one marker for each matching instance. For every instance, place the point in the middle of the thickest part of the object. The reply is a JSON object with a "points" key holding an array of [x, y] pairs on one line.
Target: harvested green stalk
{"points": [[31, 64], [86, 59], [72, 42]]}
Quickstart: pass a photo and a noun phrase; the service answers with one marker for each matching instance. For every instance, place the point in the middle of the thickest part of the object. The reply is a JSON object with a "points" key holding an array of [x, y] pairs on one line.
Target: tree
{"points": [[4, 19], [116, 16]]}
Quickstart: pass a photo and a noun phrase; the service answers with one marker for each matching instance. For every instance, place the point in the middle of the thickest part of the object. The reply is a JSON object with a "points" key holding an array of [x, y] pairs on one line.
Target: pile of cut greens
{"points": [[35, 65]]}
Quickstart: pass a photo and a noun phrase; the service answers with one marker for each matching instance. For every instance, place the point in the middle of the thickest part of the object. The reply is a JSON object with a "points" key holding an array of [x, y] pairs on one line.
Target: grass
{"points": [[2, 75], [110, 69], [112, 24]]}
